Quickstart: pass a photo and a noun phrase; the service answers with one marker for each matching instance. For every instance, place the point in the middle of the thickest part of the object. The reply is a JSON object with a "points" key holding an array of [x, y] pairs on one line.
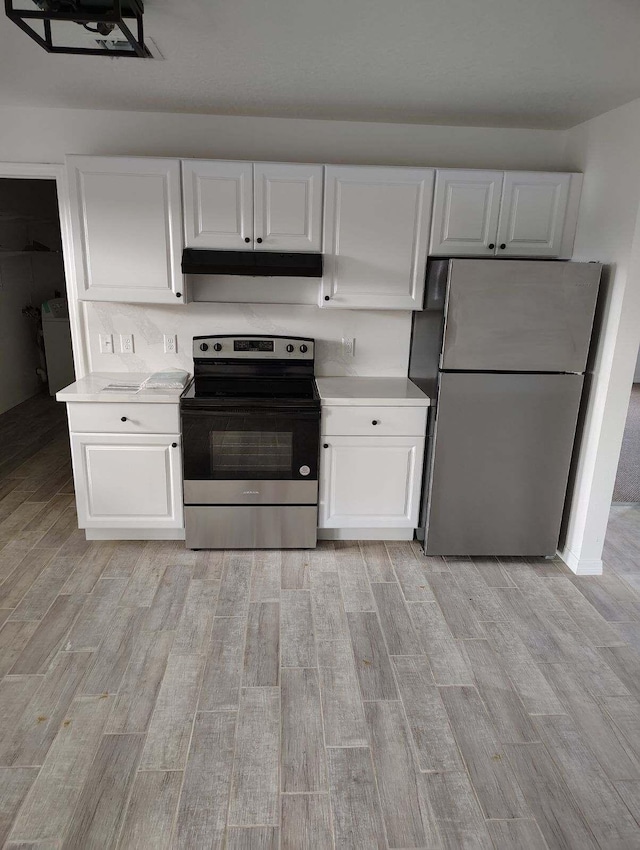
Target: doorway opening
{"points": [[36, 358]]}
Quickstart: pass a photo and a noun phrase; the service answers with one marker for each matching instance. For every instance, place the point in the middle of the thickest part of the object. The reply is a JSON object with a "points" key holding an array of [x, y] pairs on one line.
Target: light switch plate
{"points": [[170, 344], [106, 343], [126, 343]]}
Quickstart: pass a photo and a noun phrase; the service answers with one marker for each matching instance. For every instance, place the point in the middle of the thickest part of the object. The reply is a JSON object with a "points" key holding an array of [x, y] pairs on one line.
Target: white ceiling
{"points": [[519, 63]]}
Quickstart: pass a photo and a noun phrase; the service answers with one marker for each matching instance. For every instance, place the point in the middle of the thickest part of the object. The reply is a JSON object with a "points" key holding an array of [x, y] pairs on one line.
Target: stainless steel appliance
{"points": [[251, 426], [502, 344]]}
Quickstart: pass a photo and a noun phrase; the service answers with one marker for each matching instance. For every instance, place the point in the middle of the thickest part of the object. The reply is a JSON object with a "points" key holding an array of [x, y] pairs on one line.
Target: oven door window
{"points": [[260, 446], [241, 454]]}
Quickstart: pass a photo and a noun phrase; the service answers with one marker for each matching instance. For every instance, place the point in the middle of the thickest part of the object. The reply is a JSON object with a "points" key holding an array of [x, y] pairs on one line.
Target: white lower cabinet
{"points": [[371, 460], [127, 481], [370, 482]]}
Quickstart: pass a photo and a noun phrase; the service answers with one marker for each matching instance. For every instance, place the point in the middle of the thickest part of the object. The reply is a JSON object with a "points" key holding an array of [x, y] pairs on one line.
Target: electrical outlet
{"points": [[126, 343], [106, 343], [170, 344], [348, 346]]}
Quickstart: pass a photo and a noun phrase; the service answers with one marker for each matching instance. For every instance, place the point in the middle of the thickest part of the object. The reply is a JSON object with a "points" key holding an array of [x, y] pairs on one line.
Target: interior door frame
{"points": [[53, 171]]}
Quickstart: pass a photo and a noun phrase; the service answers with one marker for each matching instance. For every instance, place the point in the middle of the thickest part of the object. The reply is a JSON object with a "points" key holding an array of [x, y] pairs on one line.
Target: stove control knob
{"points": [[217, 347], [204, 346], [289, 348], [304, 470], [304, 349]]}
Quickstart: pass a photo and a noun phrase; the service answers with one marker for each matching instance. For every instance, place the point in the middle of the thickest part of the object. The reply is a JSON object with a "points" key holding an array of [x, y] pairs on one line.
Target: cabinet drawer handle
{"points": [[503, 246], [123, 418], [178, 295], [247, 239], [327, 298], [492, 245], [259, 240], [325, 445], [375, 421], [174, 445]]}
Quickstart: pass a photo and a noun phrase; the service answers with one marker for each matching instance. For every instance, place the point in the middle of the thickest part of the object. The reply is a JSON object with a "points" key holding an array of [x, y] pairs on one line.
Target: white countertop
{"points": [[91, 388], [396, 392]]}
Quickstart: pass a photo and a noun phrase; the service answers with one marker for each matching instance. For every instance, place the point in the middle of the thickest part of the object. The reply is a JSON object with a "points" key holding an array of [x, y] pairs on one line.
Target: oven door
{"points": [[244, 456]]}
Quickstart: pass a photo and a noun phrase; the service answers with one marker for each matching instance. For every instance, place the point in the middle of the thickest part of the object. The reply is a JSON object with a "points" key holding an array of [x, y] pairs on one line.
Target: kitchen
{"points": [[353, 238], [232, 682]]}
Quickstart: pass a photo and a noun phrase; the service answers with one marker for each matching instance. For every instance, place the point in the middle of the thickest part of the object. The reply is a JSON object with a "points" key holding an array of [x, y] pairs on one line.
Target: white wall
{"points": [[607, 150], [46, 135], [25, 280], [636, 374]]}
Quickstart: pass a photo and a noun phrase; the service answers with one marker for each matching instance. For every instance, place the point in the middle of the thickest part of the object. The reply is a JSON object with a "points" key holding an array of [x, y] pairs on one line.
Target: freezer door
{"points": [[519, 315], [500, 463]]}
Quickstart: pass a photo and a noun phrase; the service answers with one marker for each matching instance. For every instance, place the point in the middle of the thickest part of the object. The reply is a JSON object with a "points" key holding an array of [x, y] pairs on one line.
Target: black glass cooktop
{"points": [[209, 390]]}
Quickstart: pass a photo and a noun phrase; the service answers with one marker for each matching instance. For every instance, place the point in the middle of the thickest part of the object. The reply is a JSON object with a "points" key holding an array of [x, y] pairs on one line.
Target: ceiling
{"points": [[510, 63]]}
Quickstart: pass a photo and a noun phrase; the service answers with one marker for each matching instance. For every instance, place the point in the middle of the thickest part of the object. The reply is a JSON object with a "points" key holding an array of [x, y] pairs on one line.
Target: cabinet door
{"points": [[534, 206], [370, 482], [376, 227], [131, 481], [466, 206], [218, 204], [288, 206], [127, 228]]}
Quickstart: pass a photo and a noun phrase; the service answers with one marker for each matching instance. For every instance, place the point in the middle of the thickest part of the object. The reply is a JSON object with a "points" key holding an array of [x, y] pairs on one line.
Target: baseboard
{"points": [[580, 566], [134, 533], [365, 533]]}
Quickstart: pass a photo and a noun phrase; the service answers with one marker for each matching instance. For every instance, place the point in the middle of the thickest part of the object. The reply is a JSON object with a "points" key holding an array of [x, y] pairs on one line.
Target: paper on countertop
{"points": [[172, 379], [122, 387]]}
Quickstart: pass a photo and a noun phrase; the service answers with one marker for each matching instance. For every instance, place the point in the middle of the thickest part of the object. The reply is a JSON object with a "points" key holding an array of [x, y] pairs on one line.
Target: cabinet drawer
{"points": [[107, 418], [375, 421]]}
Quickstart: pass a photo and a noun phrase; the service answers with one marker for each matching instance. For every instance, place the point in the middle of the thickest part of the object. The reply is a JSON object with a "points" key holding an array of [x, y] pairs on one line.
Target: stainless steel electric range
{"points": [[250, 435]]}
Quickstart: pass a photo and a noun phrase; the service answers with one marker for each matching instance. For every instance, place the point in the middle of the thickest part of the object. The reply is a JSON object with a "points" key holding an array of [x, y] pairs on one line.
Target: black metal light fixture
{"points": [[83, 27]]}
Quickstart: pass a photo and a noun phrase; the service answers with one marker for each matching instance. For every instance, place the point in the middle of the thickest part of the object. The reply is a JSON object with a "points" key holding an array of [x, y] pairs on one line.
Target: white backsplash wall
{"points": [[382, 337]]}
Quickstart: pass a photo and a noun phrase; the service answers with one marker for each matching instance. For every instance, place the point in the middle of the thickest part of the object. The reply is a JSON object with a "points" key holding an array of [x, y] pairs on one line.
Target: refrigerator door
{"points": [[519, 315], [500, 463]]}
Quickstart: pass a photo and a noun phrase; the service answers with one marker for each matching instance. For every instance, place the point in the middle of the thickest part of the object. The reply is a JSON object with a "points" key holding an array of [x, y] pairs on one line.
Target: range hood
{"points": [[253, 263]]}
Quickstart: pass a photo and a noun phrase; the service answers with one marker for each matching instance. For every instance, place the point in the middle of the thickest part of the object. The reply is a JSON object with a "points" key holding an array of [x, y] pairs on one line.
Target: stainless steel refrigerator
{"points": [[502, 346]]}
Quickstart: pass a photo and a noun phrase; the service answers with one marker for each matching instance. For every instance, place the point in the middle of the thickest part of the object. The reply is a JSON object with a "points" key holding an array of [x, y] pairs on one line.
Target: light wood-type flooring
{"points": [[354, 696]]}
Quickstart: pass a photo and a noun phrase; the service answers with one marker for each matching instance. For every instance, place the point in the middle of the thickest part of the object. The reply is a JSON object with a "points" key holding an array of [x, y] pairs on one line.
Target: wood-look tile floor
{"points": [[355, 696]]}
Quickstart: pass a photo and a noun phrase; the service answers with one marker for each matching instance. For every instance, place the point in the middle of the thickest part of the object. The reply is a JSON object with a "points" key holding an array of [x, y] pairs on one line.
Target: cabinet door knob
{"points": [[123, 418], [178, 295], [174, 445], [503, 246], [326, 297], [259, 240], [247, 239], [492, 245], [375, 422], [325, 446]]}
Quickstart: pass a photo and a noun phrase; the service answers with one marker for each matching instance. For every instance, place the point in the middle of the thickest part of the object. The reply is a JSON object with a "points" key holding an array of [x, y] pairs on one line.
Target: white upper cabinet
{"points": [[376, 231], [127, 228], [466, 207], [504, 214], [532, 216], [218, 204], [288, 207], [239, 206]]}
